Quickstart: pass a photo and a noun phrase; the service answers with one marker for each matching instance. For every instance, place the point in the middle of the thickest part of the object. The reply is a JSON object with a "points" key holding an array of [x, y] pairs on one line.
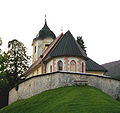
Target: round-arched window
{"points": [[60, 65], [73, 66]]}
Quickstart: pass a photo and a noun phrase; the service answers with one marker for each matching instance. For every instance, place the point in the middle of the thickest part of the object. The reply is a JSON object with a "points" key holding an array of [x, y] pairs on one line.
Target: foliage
{"points": [[18, 61], [81, 43], [12, 68], [3, 78], [3, 66], [72, 99], [0, 43]]}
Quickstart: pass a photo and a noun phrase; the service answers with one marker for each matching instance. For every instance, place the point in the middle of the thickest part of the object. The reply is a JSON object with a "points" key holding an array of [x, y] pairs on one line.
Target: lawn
{"points": [[74, 99]]}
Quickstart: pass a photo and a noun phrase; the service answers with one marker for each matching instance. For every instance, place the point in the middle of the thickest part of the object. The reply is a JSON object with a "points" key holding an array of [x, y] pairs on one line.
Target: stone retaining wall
{"points": [[40, 83]]}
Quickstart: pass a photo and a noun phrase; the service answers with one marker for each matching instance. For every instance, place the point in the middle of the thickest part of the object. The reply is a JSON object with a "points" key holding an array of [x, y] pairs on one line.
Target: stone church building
{"points": [[62, 53]]}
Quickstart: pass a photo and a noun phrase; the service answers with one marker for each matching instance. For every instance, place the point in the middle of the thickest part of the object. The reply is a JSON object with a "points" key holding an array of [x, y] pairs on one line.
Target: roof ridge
{"points": [[80, 49], [57, 43], [67, 46]]}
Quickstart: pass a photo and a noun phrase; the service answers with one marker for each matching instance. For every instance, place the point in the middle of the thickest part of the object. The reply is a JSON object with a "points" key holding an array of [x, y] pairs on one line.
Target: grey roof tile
{"points": [[67, 46], [93, 66]]}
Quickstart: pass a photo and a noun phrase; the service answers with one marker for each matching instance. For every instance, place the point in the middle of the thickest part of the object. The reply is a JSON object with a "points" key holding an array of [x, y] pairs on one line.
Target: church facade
{"points": [[62, 53]]}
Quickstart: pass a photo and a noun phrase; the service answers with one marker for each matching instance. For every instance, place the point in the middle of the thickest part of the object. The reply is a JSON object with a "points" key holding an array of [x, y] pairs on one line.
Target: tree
{"points": [[3, 66], [3, 78], [18, 61], [0, 44], [81, 43], [3, 81]]}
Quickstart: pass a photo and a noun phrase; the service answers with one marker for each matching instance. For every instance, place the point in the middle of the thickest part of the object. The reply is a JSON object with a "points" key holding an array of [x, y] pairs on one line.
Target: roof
{"points": [[64, 45], [93, 66], [67, 46], [45, 32]]}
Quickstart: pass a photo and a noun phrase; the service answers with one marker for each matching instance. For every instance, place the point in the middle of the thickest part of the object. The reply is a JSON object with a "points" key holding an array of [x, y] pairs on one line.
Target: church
{"points": [[62, 53]]}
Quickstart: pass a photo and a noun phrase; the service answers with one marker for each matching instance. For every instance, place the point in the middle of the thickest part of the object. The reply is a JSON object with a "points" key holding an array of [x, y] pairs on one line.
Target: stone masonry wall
{"points": [[40, 83]]}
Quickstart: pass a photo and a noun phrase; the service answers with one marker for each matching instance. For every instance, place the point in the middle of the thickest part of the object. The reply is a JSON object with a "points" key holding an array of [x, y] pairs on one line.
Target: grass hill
{"points": [[113, 69], [74, 99]]}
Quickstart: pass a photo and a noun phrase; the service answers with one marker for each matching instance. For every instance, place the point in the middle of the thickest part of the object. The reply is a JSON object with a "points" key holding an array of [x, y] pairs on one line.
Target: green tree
{"points": [[18, 61], [81, 43], [3, 78], [3, 66], [0, 44]]}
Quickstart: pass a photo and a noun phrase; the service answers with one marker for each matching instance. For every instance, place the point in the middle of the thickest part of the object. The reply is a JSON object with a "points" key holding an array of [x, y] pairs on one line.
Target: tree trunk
{"points": [[3, 98]]}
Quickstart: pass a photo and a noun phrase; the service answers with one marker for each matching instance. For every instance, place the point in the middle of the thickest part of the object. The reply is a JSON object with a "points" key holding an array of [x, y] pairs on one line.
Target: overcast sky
{"points": [[97, 21]]}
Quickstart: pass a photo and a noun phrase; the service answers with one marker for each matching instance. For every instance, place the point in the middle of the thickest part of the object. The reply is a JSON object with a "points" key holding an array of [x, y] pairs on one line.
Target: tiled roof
{"points": [[64, 45], [67, 46], [93, 66]]}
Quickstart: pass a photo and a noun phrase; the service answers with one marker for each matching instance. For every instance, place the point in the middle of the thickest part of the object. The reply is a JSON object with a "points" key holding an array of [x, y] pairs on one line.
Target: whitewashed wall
{"points": [[50, 63], [63, 60]]}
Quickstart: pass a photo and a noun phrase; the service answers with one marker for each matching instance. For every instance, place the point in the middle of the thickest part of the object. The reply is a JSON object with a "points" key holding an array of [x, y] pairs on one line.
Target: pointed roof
{"points": [[45, 32], [63, 45], [93, 66], [67, 46], [45, 27]]}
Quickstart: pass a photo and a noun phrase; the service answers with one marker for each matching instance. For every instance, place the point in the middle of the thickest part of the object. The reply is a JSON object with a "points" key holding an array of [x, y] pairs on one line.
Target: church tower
{"points": [[42, 41]]}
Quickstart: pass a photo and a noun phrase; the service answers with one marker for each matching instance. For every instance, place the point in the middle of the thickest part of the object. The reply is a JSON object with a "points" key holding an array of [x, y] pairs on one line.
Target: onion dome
{"points": [[45, 32]]}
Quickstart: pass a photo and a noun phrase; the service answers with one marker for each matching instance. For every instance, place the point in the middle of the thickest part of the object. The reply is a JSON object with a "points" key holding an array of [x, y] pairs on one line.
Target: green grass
{"points": [[72, 99]]}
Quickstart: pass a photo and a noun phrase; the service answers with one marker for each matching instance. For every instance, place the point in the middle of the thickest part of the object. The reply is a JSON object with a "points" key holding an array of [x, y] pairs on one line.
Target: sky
{"points": [[97, 21]]}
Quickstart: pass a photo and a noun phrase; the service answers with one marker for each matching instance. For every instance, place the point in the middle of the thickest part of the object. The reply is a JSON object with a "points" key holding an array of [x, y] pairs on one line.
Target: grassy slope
{"points": [[66, 100]]}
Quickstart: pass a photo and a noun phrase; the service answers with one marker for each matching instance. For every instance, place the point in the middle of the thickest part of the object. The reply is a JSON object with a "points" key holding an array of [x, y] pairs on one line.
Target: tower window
{"points": [[46, 45], [35, 49], [60, 65]]}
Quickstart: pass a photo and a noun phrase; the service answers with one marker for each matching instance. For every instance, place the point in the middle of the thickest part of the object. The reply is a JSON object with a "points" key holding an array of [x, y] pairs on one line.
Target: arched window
{"points": [[35, 50], [82, 67], [73, 66], [51, 68], [60, 65]]}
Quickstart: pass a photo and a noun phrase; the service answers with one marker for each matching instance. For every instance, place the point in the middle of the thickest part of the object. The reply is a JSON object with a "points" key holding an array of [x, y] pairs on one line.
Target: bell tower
{"points": [[43, 39]]}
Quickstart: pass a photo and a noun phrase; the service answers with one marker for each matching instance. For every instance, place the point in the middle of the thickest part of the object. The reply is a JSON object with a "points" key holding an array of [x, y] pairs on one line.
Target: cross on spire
{"points": [[61, 29], [45, 20]]}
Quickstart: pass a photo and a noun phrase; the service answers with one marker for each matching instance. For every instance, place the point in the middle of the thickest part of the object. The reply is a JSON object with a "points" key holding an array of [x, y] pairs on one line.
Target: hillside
{"points": [[113, 69], [74, 99]]}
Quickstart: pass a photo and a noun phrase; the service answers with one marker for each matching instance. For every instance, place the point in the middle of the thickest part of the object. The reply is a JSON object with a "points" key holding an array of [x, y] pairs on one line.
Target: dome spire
{"points": [[45, 25], [45, 20], [45, 32]]}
